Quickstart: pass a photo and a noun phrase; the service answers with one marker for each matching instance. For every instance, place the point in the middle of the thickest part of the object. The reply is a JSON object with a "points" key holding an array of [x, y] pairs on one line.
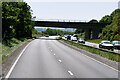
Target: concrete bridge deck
{"points": [[88, 27]]}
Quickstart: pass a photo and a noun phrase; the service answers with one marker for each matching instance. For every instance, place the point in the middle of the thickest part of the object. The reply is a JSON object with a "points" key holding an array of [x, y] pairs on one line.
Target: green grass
{"points": [[108, 55], [9, 46], [95, 40]]}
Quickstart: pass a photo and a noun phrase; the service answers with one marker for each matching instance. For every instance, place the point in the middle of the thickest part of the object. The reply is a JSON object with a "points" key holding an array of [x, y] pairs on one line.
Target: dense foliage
{"points": [[93, 21], [78, 31], [35, 33], [16, 20], [112, 32], [52, 32]]}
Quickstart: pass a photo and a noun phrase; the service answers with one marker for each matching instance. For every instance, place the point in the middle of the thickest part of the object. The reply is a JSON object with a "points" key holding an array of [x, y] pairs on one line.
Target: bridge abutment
{"points": [[95, 33], [87, 34]]}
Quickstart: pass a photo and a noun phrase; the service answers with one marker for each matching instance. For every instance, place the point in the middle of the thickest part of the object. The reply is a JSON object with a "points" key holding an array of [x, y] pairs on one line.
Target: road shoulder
{"points": [[7, 64]]}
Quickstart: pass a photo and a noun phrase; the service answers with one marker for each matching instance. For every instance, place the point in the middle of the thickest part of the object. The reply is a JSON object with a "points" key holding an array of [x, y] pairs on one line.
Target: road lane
{"points": [[80, 65], [47, 58], [37, 62]]}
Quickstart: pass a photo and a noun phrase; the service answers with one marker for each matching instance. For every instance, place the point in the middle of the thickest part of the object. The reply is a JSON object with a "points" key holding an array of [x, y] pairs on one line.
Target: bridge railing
{"points": [[61, 20]]}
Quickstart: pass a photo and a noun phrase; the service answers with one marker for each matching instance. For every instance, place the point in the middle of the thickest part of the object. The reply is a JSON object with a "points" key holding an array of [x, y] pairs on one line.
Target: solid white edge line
{"points": [[101, 63], [13, 66], [70, 72]]}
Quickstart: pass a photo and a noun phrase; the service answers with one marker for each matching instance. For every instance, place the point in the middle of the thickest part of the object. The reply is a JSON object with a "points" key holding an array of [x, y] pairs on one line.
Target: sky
{"points": [[83, 10]]}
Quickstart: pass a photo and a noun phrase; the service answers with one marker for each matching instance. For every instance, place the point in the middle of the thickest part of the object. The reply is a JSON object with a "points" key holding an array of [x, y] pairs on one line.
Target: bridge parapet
{"points": [[62, 20], [88, 27]]}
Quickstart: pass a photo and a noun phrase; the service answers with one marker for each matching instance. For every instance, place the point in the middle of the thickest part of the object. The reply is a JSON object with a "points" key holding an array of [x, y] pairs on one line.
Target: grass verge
{"points": [[9, 46], [95, 40], [108, 55]]}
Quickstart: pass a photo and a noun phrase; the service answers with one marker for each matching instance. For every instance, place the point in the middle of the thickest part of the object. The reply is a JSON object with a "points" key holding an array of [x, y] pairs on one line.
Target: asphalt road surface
{"points": [[48, 58], [97, 46], [94, 45]]}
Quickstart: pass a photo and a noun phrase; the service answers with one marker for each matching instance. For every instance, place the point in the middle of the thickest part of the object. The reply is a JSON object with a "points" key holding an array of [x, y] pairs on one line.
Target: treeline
{"points": [[35, 33], [52, 32], [16, 20], [111, 32]]}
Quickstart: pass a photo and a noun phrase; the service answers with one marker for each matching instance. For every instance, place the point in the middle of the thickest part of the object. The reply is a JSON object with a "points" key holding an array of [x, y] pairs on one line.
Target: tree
{"points": [[112, 32], [93, 21], [16, 20], [106, 19], [77, 31], [52, 32]]}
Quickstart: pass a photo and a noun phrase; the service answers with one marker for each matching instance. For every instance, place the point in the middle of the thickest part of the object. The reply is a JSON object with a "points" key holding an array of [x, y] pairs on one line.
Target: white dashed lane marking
{"points": [[70, 72], [60, 60]]}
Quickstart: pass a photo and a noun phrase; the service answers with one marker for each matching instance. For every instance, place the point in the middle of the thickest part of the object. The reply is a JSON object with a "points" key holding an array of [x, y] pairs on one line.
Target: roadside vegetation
{"points": [[35, 33], [111, 32], [17, 26], [53, 32], [108, 55], [16, 20], [95, 40], [10, 46]]}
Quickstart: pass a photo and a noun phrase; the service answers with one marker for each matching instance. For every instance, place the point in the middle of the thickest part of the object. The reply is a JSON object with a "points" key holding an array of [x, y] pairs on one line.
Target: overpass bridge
{"points": [[88, 27]]}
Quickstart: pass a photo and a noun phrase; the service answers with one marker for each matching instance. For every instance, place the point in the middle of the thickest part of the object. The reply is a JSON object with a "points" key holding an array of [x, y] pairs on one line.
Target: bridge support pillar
{"points": [[87, 34], [95, 33]]}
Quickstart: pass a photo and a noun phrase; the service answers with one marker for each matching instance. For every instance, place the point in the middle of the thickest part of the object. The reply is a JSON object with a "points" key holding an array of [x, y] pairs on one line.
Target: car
{"points": [[116, 44], [106, 45], [34, 37], [75, 35], [81, 40], [65, 36], [46, 35], [68, 37], [74, 38]]}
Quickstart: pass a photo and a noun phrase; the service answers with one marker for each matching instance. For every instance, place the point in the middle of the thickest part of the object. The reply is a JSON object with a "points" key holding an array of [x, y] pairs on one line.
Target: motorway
{"points": [[94, 45], [48, 58], [97, 46]]}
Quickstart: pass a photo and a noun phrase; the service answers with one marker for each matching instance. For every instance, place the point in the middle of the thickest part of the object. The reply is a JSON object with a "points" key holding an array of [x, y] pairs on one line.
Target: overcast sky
{"points": [[72, 9]]}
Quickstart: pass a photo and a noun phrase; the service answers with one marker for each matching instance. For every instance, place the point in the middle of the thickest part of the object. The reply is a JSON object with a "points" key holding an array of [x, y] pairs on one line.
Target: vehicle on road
{"points": [[106, 45], [75, 35], [116, 44], [46, 35], [74, 38], [68, 37], [65, 36], [34, 37], [80, 40]]}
